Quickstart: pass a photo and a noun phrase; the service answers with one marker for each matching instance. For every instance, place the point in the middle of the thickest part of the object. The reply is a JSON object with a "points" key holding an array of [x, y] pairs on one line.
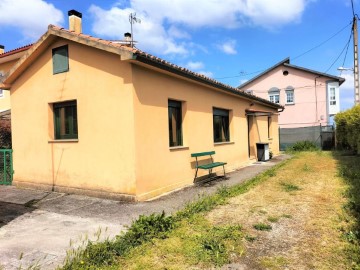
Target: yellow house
{"points": [[100, 118], [7, 60]]}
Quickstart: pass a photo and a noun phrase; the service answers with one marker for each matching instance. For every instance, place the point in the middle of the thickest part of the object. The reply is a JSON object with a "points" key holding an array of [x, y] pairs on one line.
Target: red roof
{"points": [[17, 50]]}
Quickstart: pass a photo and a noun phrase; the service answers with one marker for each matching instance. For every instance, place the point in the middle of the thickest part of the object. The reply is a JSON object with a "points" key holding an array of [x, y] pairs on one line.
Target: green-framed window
{"points": [[175, 123], [65, 120], [60, 58], [221, 125]]}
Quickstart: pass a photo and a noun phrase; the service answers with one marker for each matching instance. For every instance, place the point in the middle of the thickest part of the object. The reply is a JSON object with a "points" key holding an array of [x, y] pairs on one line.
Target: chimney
{"points": [[127, 39], [127, 36], [2, 49], [75, 21]]}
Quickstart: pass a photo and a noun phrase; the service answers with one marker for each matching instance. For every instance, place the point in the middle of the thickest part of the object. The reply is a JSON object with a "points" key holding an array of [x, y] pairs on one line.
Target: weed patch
{"points": [[273, 219], [288, 187], [262, 227], [274, 262]]}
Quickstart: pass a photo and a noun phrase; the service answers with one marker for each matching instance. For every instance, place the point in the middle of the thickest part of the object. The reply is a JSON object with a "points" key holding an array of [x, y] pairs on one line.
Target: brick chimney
{"points": [[75, 21], [2, 49]]}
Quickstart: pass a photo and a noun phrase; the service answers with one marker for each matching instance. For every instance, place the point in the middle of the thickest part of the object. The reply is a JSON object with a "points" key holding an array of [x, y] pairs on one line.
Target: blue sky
{"points": [[228, 40]]}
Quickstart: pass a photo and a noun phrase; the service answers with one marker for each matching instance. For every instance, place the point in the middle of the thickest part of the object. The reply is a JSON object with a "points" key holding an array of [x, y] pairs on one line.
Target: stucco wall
{"points": [[102, 159], [310, 105], [160, 168], [123, 141]]}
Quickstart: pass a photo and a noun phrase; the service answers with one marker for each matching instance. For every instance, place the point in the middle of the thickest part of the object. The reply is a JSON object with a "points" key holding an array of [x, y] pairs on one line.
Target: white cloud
{"points": [[195, 65], [228, 47], [348, 85], [224, 14], [347, 90], [31, 16], [178, 33], [164, 22], [150, 34]]}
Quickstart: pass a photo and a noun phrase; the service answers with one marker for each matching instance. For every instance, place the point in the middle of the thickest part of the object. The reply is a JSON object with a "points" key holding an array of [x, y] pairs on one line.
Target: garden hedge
{"points": [[348, 129]]}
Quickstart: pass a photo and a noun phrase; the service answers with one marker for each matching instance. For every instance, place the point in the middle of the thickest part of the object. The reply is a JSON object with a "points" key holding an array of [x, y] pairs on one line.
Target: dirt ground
{"points": [[302, 203]]}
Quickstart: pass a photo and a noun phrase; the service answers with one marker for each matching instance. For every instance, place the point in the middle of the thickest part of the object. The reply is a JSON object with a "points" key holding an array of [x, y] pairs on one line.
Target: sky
{"points": [[228, 40]]}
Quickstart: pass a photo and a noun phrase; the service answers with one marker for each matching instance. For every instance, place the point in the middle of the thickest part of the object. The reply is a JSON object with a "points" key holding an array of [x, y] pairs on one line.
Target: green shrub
{"points": [[303, 146], [348, 129]]}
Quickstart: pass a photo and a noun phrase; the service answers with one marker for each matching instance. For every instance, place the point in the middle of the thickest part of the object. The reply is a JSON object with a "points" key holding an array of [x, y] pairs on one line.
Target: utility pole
{"points": [[356, 61]]}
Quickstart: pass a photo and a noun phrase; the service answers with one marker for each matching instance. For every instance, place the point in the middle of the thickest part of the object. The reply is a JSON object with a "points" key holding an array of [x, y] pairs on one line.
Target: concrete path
{"points": [[39, 226]]}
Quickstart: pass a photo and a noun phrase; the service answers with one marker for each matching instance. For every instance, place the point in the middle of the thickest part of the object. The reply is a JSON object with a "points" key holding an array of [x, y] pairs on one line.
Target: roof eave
{"points": [[203, 80], [286, 60]]}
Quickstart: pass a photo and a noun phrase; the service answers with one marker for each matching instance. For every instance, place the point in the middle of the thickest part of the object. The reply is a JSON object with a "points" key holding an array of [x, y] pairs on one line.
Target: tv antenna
{"points": [[133, 19]]}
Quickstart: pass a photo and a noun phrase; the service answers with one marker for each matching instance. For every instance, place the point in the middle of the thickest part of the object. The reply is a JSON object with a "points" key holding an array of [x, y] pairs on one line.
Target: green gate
{"points": [[6, 167]]}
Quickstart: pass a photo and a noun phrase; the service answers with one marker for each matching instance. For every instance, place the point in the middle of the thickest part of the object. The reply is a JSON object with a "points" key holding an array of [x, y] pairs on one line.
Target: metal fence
{"points": [[322, 136], [6, 167]]}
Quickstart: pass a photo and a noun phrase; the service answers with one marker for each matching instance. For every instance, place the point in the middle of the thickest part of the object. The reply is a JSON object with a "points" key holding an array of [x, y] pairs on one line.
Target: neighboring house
{"points": [[100, 118], [7, 60], [310, 97]]}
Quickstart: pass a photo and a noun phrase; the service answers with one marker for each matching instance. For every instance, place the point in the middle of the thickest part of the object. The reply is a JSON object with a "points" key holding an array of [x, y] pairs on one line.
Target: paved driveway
{"points": [[38, 226]]}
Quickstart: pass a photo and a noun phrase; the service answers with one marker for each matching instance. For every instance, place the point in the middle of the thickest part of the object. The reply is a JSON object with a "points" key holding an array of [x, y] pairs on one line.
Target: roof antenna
{"points": [[133, 19]]}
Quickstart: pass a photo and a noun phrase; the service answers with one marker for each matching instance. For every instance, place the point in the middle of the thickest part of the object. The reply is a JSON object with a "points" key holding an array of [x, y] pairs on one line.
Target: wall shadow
{"points": [[11, 211], [349, 170]]}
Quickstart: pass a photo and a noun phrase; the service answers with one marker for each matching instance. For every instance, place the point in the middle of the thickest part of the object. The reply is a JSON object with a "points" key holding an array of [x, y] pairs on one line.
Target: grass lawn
{"points": [[302, 214]]}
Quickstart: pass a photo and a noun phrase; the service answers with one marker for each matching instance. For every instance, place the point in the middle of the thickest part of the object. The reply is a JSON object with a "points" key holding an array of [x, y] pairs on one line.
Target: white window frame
{"points": [[274, 95], [290, 93], [332, 96]]}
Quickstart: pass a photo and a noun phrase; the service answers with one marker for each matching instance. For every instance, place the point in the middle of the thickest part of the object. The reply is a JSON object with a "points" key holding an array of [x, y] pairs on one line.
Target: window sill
{"points": [[64, 141], [221, 143], [175, 148], [286, 104]]}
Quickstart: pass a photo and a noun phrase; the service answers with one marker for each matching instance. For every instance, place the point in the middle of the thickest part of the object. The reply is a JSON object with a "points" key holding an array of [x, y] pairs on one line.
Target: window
{"points": [[175, 123], [60, 58], [289, 95], [332, 96], [274, 95], [221, 125], [65, 120]]}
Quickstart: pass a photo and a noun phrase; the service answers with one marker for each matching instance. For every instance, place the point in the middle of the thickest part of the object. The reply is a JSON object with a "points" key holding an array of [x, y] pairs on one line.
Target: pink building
{"points": [[310, 97]]}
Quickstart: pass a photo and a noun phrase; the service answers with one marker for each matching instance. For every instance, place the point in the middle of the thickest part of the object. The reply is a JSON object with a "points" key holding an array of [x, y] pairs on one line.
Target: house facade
{"points": [[7, 60], [311, 98], [108, 120]]}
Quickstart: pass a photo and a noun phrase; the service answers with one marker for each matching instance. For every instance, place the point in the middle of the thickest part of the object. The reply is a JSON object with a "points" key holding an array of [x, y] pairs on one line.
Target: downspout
{"points": [[316, 101]]}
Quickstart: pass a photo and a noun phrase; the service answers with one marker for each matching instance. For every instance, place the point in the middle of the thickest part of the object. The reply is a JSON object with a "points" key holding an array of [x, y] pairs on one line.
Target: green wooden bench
{"points": [[208, 166]]}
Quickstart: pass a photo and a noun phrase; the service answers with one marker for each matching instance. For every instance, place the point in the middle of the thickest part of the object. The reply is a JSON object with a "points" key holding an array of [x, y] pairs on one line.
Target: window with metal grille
{"points": [[175, 123], [60, 58], [221, 125], [65, 120]]}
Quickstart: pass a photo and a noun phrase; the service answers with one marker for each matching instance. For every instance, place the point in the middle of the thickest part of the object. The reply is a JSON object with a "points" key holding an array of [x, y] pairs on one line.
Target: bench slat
{"points": [[203, 154], [211, 165]]}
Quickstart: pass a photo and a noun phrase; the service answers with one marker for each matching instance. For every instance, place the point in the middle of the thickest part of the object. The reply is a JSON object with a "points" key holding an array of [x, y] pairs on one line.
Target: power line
{"points": [[322, 43], [346, 46], [315, 47]]}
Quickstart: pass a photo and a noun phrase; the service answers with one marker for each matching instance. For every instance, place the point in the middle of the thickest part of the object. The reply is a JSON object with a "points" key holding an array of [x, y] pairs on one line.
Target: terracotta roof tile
{"points": [[17, 50], [154, 59]]}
